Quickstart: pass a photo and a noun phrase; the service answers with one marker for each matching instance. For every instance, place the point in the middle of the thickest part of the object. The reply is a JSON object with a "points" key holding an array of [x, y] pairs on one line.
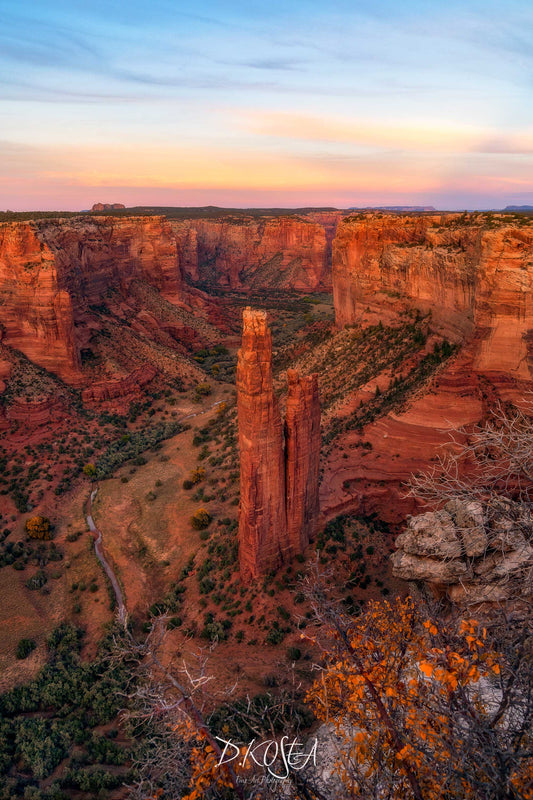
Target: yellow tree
{"points": [[38, 528], [427, 708]]}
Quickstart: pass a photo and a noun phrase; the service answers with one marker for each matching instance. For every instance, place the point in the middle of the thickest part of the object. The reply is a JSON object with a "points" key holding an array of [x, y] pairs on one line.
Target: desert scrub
{"points": [[139, 441], [25, 647], [395, 396], [200, 519]]}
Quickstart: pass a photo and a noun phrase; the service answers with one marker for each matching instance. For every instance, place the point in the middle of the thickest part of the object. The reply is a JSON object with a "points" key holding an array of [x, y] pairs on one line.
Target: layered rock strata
{"points": [[129, 384], [240, 253], [36, 413], [475, 277], [279, 466], [52, 271], [36, 313], [469, 553]]}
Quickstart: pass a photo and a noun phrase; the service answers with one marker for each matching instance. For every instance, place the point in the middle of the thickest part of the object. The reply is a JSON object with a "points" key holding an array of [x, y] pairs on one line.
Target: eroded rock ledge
{"points": [[468, 553]]}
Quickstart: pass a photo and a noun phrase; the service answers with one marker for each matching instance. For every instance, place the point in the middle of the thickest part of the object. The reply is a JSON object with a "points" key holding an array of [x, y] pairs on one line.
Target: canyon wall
{"points": [[476, 278], [36, 312], [475, 274], [97, 254], [279, 466], [51, 271], [257, 253]]}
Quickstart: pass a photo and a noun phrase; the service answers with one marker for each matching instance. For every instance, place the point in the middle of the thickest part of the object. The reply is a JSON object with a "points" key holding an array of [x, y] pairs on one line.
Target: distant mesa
{"points": [[402, 209], [518, 208], [107, 206]]}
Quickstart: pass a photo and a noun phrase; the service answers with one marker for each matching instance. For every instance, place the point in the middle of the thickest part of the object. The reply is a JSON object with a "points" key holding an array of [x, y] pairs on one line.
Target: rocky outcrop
{"points": [[107, 206], [475, 277], [36, 310], [52, 271], [129, 384], [302, 457], [248, 252], [95, 255], [469, 553], [279, 488], [36, 413]]}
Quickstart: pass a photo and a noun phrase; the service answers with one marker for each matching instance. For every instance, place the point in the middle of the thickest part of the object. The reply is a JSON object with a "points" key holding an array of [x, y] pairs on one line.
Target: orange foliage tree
{"points": [[428, 708], [38, 528]]}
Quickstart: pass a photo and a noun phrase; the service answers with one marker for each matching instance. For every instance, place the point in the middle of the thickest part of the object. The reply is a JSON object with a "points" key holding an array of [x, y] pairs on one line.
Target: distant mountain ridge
{"points": [[392, 208]]}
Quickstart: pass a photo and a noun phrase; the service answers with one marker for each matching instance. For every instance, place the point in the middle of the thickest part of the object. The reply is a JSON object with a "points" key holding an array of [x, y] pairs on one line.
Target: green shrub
{"points": [[200, 519], [294, 653], [25, 647], [274, 636], [37, 581]]}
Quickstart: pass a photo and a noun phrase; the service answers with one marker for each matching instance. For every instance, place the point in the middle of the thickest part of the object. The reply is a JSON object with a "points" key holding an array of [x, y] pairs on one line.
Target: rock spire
{"points": [[279, 464]]}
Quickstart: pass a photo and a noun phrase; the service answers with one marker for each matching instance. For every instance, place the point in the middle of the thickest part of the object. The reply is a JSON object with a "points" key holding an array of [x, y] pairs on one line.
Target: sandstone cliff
{"points": [[240, 253], [474, 273], [279, 484], [36, 312], [98, 254], [476, 278], [51, 271], [130, 384]]}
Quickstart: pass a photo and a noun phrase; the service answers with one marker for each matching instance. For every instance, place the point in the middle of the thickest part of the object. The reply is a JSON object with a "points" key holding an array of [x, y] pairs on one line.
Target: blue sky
{"points": [[250, 104]]}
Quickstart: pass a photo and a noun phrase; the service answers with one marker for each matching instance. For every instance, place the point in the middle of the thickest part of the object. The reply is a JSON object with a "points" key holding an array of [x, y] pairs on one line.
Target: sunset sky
{"points": [[247, 103]]}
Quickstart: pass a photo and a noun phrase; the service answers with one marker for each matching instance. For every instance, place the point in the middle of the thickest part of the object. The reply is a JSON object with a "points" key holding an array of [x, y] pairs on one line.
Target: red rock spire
{"points": [[302, 457], [279, 486], [262, 518]]}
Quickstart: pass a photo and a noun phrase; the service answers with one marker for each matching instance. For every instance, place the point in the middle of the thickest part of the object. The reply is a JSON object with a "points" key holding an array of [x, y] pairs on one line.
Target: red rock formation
{"points": [[5, 373], [95, 254], [262, 515], [249, 252], [476, 279], [129, 384], [36, 314], [36, 413], [52, 270], [279, 491], [302, 458]]}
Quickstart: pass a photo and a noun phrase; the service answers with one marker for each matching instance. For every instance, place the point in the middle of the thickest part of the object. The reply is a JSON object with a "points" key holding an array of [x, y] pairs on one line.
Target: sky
{"points": [[242, 103]]}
